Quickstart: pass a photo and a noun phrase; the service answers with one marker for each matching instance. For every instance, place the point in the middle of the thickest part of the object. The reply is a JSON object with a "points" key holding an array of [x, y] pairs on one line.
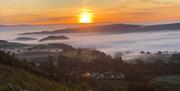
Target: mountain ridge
{"points": [[112, 28]]}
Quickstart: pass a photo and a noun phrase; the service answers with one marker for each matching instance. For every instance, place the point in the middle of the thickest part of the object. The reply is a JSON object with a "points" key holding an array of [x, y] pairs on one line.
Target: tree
{"points": [[142, 52], [148, 52], [29, 49], [79, 51], [159, 52]]}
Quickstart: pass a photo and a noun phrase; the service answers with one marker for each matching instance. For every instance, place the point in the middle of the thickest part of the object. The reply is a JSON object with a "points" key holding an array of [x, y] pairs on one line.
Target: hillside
{"points": [[62, 37], [112, 28], [26, 77], [25, 38], [54, 46], [6, 44], [26, 80], [97, 28], [14, 62], [173, 26]]}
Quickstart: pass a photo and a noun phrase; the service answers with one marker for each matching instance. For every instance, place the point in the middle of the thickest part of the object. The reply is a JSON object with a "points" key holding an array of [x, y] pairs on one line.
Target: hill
{"points": [[25, 80], [25, 38], [62, 37], [54, 46], [97, 28], [173, 26], [25, 76], [6, 44], [22, 76], [112, 28], [14, 62]]}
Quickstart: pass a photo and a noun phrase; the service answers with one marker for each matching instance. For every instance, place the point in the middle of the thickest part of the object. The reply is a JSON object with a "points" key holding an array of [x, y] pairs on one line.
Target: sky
{"points": [[104, 11]]}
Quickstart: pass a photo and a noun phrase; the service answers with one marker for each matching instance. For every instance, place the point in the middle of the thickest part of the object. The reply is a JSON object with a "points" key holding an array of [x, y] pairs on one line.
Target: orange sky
{"points": [[104, 11]]}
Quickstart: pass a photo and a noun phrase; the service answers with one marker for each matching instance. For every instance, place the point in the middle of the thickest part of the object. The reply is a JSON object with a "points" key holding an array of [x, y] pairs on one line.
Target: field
{"points": [[172, 81]]}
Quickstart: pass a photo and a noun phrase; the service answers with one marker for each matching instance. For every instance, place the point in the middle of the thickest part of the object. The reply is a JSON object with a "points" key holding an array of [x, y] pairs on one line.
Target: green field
{"points": [[172, 81]]}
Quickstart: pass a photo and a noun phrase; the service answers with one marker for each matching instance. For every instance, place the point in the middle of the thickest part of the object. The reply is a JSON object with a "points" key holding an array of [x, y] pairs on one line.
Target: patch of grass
{"points": [[173, 79], [26, 80], [117, 85]]}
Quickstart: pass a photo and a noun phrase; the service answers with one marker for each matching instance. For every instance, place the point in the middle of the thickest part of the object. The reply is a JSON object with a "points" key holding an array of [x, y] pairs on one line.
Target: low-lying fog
{"points": [[106, 42]]}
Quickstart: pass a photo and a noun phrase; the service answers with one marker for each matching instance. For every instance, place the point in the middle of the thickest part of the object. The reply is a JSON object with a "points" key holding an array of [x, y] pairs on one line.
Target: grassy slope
{"points": [[29, 77], [25, 76], [26, 80]]}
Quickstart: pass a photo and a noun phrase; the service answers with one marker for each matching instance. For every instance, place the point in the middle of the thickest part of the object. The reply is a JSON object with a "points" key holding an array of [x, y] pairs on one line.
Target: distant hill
{"points": [[6, 44], [98, 28], [112, 28], [62, 37], [173, 26], [25, 38], [3, 41], [54, 46]]}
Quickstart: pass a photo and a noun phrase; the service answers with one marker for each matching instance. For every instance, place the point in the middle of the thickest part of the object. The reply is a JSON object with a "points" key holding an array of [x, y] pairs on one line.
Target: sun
{"points": [[86, 17]]}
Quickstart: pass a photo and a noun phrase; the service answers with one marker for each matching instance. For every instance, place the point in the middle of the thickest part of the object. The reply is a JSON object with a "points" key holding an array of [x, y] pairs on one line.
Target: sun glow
{"points": [[86, 17]]}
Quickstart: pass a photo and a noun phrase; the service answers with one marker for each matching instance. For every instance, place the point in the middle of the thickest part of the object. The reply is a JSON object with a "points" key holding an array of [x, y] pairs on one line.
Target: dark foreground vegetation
{"points": [[87, 70]]}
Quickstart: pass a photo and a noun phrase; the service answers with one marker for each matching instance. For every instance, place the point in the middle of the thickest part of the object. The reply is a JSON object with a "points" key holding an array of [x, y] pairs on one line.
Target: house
{"points": [[104, 75]]}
